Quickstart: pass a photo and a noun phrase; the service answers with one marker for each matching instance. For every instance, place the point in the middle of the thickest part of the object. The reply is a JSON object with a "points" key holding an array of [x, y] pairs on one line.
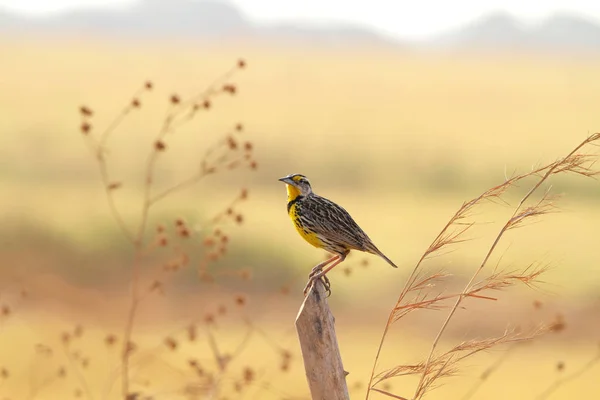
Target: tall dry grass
{"points": [[419, 292]]}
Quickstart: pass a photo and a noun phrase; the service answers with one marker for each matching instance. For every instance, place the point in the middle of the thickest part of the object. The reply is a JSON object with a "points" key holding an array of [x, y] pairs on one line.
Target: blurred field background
{"points": [[399, 137]]}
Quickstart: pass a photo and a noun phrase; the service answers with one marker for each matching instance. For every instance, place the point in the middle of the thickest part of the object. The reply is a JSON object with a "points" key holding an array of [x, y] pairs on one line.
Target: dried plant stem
{"points": [[393, 396], [179, 112], [35, 390], [565, 379], [488, 372], [409, 282], [139, 244], [175, 188], [451, 234], [128, 331], [80, 377], [99, 154], [514, 219], [135, 269]]}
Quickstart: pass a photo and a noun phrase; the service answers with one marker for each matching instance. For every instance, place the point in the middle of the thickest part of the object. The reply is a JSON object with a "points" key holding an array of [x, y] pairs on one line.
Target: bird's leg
{"points": [[316, 271], [319, 267], [321, 274]]}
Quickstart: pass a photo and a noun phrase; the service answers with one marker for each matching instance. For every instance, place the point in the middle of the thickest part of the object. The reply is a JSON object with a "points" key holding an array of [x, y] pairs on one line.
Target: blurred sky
{"points": [[400, 18]]}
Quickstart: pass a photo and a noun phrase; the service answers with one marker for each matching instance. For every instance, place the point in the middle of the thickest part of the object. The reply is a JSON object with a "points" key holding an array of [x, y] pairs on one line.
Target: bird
{"points": [[325, 225]]}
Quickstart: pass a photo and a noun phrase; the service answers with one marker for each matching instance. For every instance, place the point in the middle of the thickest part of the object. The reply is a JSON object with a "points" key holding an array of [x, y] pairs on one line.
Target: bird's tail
{"points": [[380, 254]]}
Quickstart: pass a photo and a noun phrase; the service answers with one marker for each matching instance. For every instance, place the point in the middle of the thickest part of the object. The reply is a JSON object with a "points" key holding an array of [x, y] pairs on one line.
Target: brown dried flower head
{"points": [[286, 355], [162, 241], [184, 232], [85, 111], [231, 143], [131, 347], [209, 318], [110, 340], [558, 325], [230, 88], [5, 310], [240, 300], [159, 145], [171, 343], [65, 338], [78, 331], [114, 185], [156, 286], [86, 127], [249, 375], [192, 332]]}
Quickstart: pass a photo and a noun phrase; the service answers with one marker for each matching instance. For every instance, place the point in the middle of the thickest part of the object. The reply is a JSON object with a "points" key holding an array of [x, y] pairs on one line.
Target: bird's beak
{"points": [[287, 180]]}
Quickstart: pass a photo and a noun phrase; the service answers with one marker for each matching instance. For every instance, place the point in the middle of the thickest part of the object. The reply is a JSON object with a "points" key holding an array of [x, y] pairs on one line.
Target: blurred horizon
{"points": [[558, 28]]}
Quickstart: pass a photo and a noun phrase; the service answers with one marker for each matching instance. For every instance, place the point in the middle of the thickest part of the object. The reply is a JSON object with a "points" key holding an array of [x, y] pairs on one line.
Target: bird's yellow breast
{"points": [[309, 236]]}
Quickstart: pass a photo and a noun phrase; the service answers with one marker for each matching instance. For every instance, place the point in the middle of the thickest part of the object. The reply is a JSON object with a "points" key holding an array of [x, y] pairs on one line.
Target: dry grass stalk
{"points": [[488, 372], [438, 366], [559, 382]]}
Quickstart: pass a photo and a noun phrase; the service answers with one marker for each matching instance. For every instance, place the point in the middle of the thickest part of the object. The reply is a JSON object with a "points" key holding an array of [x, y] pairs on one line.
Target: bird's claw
{"points": [[317, 275]]}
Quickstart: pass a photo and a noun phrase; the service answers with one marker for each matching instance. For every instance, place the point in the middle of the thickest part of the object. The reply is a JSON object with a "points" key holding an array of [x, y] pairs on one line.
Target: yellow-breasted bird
{"points": [[325, 225]]}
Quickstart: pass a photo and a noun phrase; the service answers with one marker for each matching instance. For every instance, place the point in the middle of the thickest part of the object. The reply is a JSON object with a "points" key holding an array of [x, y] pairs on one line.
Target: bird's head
{"points": [[297, 185]]}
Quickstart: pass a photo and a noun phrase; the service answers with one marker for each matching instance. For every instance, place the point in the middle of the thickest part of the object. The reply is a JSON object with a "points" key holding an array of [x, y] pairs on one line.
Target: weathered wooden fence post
{"points": [[322, 361]]}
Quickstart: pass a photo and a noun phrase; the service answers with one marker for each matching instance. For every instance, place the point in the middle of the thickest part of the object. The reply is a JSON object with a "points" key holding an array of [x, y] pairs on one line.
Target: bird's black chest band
{"points": [[291, 203]]}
